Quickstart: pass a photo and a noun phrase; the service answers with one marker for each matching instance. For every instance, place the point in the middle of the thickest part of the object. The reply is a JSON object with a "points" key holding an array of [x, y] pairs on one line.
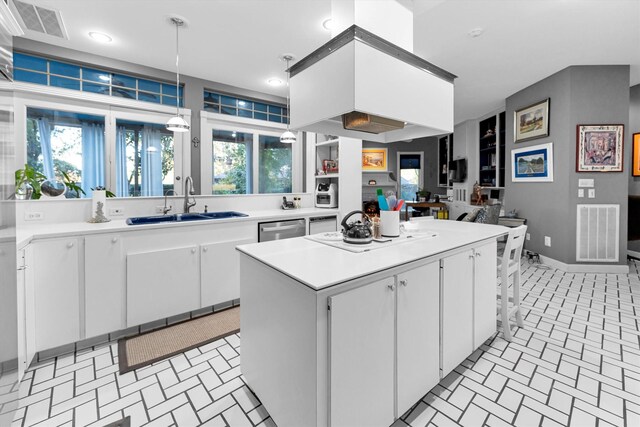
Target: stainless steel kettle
{"points": [[357, 232]]}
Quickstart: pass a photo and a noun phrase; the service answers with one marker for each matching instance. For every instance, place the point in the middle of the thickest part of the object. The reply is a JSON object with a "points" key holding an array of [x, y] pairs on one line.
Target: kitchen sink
{"points": [[185, 217]]}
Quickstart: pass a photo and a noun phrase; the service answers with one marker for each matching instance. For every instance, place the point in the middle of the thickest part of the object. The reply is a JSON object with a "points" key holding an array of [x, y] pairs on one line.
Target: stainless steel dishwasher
{"points": [[278, 230]]}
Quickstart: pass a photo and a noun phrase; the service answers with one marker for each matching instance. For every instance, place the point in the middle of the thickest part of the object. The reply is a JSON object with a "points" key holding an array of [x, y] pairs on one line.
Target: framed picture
{"points": [[531, 122], [635, 163], [374, 159], [599, 148], [532, 164]]}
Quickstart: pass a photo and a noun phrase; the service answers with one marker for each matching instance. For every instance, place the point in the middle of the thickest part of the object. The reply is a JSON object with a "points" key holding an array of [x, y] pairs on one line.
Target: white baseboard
{"points": [[633, 254], [585, 268]]}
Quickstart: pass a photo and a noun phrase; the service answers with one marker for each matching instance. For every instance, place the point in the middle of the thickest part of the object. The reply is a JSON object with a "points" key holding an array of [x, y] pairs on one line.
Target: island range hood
{"points": [[359, 85]]}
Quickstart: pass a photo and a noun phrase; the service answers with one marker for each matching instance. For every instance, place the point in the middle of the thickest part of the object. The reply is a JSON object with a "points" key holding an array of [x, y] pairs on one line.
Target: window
{"points": [[410, 171], [274, 165], [232, 162], [230, 105], [48, 72], [144, 159], [73, 143]]}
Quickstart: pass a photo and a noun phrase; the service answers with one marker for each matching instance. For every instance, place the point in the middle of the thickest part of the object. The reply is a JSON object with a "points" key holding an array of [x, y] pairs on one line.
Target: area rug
{"points": [[142, 350]]}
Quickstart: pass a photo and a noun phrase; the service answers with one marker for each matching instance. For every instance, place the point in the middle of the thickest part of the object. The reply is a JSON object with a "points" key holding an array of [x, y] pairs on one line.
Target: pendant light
{"points": [[177, 123], [288, 137]]}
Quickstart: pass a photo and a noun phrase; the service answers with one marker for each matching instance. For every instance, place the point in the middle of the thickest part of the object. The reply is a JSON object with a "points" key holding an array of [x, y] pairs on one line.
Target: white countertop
{"points": [[319, 266], [26, 234]]}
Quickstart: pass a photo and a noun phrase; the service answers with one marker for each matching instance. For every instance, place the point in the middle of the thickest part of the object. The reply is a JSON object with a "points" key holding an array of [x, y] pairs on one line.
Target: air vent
{"points": [[369, 123], [597, 231], [40, 19]]}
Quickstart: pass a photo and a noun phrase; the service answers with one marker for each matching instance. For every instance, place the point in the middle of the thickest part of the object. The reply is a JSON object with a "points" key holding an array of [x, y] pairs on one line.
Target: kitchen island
{"points": [[336, 338]]}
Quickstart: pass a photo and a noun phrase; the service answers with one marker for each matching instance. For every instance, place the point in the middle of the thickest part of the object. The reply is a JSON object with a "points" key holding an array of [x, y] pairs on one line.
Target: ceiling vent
{"points": [[40, 19], [369, 123]]}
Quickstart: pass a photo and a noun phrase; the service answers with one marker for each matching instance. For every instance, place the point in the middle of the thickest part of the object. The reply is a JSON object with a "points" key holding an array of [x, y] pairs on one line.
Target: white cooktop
{"points": [[335, 239]]}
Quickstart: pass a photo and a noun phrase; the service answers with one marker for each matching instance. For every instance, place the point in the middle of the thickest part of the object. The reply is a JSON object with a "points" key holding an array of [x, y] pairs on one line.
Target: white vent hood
{"points": [[357, 71]]}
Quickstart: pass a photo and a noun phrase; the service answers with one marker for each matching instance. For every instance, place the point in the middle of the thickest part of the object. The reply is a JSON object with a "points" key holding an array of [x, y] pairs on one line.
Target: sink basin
{"points": [[159, 219]]}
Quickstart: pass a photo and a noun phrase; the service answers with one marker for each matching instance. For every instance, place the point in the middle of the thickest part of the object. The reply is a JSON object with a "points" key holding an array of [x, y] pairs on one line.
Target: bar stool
{"points": [[509, 266]]}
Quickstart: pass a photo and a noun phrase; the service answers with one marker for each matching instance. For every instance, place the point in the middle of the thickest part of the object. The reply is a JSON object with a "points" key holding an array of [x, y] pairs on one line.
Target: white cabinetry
{"points": [[56, 275], [162, 283], [361, 355], [220, 271], [484, 293], [393, 319], [104, 284], [468, 293], [25, 310]]}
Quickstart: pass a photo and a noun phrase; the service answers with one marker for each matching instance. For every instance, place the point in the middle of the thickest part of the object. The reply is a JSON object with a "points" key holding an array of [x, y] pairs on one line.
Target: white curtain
{"points": [[151, 162], [93, 161], [44, 129], [122, 180]]}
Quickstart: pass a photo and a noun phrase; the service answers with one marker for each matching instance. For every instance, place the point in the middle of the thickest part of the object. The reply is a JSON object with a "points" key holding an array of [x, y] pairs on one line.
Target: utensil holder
{"points": [[390, 223]]}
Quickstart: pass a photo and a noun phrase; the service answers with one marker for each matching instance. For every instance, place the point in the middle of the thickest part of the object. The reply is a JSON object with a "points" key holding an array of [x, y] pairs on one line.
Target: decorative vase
{"points": [[24, 191]]}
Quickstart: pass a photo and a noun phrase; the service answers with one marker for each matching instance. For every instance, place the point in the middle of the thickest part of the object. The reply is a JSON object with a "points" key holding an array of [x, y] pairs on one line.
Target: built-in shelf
{"points": [[327, 176], [376, 171], [329, 142]]}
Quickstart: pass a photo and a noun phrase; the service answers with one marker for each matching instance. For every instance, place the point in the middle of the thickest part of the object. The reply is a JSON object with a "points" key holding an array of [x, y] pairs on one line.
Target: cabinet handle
{"points": [[205, 249], [470, 256], [403, 282], [70, 245], [392, 287], [193, 250], [478, 254], [114, 240]]}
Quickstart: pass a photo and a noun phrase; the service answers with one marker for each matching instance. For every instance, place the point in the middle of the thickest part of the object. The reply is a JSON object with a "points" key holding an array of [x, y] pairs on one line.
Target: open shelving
{"points": [[491, 151]]}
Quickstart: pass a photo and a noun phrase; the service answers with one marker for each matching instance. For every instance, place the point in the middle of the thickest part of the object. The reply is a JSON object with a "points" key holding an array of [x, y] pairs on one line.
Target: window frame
{"points": [[211, 121], [421, 176], [61, 100]]}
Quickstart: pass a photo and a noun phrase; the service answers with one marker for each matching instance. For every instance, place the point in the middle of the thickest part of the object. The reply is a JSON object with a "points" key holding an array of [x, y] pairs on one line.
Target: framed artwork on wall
{"points": [[532, 164], [531, 122], [635, 163], [599, 148], [374, 159]]}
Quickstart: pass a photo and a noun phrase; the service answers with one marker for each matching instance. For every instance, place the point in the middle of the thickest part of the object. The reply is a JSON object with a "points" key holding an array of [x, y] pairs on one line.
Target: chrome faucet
{"points": [[166, 209], [188, 191]]}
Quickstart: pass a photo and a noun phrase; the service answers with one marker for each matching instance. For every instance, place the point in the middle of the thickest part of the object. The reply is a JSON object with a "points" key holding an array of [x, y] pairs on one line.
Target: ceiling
{"points": [[239, 42]]}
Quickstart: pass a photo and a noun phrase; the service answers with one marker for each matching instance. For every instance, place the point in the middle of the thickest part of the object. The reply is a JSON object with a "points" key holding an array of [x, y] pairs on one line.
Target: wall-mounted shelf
{"points": [[328, 142], [328, 176]]}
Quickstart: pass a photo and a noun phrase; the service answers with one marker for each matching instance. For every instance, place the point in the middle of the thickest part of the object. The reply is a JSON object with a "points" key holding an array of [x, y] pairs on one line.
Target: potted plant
{"points": [[422, 195], [72, 186], [28, 182]]}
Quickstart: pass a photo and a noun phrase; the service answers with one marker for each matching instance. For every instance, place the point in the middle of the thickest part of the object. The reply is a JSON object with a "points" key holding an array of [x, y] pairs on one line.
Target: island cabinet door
{"points": [[361, 340], [418, 347], [484, 293], [457, 310], [220, 271]]}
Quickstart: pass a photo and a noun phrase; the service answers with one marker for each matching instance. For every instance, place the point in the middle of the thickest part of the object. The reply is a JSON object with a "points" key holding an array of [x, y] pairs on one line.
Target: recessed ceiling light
{"points": [[327, 24], [274, 82], [100, 37], [476, 32]]}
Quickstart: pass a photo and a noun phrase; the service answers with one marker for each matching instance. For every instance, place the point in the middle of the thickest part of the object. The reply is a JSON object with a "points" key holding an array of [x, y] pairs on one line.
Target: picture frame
{"points": [[599, 148], [532, 164], [374, 159], [531, 122], [635, 162]]}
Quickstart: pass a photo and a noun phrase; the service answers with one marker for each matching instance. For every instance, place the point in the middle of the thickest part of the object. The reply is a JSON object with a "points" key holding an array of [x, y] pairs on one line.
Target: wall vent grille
{"points": [[597, 233], [40, 19]]}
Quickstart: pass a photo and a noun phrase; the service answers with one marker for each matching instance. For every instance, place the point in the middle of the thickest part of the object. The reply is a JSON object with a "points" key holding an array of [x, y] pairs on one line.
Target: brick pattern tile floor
{"points": [[575, 363]]}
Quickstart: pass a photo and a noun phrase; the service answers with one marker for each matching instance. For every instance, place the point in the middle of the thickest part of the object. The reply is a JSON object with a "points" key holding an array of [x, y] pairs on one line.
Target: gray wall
{"points": [[428, 145], [194, 87], [579, 95]]}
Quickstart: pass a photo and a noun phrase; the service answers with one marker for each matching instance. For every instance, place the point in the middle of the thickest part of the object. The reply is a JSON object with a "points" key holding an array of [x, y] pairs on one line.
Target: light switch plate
{"points": [[592, 193], [116, 212], [580, 192], [586, 182], [547, 241]]}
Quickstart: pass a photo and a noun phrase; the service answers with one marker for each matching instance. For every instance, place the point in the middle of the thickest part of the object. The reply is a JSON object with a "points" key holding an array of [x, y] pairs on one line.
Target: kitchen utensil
{"points": [[399, 204], [391, 201], [382, 202], [358, 232]]}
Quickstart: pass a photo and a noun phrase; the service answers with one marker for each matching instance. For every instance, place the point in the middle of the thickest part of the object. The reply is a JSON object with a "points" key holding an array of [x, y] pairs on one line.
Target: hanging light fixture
{"points": [[288, 137], [177, 123]]}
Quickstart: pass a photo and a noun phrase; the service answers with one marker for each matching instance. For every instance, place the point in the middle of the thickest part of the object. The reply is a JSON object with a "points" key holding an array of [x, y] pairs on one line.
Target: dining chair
{"points": [[509, 268]]}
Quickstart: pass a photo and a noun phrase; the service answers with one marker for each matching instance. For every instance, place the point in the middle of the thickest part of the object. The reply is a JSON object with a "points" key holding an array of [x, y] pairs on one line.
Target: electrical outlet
{"points": [[33, 216], [528, 236], [116, 212], [547, 241], [580, 192], [592, 193]]}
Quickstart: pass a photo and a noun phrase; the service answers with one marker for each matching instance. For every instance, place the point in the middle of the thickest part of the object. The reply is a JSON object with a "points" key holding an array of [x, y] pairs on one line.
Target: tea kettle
{"points": [[358, 232]]}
